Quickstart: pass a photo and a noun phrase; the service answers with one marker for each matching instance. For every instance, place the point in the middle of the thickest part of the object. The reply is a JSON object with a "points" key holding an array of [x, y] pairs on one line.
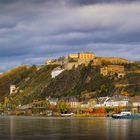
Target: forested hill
{"points": [[13, 76], [85, 81]]}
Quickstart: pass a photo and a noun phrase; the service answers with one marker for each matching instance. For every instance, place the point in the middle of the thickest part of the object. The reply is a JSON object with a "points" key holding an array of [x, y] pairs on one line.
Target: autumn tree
{"points": [[100, 110]]}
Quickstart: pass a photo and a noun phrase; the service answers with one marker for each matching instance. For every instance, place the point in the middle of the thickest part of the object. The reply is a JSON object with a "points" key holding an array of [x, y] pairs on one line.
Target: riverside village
{"points": [[80, 84]]}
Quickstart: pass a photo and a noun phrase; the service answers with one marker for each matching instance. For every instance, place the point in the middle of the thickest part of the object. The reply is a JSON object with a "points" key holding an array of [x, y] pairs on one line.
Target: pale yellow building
{"points": [[112, 69], [73, 56], [74, 104], [82, 56]]}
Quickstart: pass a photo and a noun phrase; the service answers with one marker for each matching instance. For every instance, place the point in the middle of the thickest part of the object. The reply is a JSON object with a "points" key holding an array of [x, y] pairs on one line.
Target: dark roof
{"points": [[70, 99], [119, 98]]}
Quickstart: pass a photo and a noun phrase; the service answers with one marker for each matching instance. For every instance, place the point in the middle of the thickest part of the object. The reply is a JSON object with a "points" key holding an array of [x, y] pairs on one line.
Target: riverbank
{"points": [[56, 114]]}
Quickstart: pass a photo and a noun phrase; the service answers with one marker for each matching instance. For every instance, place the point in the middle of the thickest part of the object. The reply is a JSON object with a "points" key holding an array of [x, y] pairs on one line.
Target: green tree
{"points": [[46, 104], [62, 106]]}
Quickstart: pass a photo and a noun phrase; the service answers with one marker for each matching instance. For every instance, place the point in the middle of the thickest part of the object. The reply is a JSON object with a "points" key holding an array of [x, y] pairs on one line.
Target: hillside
{"points": [[13, 76], [31, 87], [82, 82], [78, 81]]}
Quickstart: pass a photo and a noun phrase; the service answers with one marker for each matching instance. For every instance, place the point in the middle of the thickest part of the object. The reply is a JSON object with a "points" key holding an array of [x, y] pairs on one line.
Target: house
{"points": [[55, 72], [25, 107], [114, 101], [135, 104], [101, 101], [72, 102], [92, 102], [117, 103], [85, 104], [52, 101]]}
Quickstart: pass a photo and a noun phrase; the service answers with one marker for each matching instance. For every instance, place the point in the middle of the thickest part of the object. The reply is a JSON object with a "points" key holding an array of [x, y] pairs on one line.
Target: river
{"points": [[41, 128]]}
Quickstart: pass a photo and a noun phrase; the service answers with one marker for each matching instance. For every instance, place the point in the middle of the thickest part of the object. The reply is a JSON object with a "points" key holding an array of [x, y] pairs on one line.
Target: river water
{"points": [[41, 128]]}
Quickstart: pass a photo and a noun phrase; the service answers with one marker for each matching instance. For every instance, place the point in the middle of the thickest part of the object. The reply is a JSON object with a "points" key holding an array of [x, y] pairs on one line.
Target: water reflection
{"points": [[12, 128], [28, 128]]}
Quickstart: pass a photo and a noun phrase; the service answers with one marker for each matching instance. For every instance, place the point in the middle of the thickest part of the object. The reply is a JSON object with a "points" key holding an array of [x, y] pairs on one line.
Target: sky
{"points": [[32, 31]]}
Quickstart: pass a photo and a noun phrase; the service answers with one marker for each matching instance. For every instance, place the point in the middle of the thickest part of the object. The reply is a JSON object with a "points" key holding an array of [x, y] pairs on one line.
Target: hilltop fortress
{"points": [[84, 58], [88, 56], [108, 65]]}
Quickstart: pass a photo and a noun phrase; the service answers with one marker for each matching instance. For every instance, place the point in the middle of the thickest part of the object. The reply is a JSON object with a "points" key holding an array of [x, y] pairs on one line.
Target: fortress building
{"points": [[86, 56], [73, 56], [82, 56], [113, 69], [110, 60]]}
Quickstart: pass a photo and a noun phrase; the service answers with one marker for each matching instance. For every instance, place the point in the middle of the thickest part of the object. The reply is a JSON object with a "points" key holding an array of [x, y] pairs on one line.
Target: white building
{"points": [[114, 101], [121, 75], [12, 89], [52, 101], [136, 104], [56, 72], [72, 102], [135, 101]]}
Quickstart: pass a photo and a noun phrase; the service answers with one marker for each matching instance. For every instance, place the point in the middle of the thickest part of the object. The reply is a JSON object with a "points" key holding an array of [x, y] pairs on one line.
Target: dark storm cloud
{"points": [[31, 31], [89, 2], [77, 2], [24, 1]]}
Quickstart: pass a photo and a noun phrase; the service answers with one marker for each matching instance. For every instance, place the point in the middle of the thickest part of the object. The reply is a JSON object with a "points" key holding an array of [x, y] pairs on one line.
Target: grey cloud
{"points": [[87, 2], [24, 1], [64, 1], [30, 34]]}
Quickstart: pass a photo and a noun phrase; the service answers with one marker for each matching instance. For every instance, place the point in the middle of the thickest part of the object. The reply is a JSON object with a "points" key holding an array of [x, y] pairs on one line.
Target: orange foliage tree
{"points": [[100, 110]]}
